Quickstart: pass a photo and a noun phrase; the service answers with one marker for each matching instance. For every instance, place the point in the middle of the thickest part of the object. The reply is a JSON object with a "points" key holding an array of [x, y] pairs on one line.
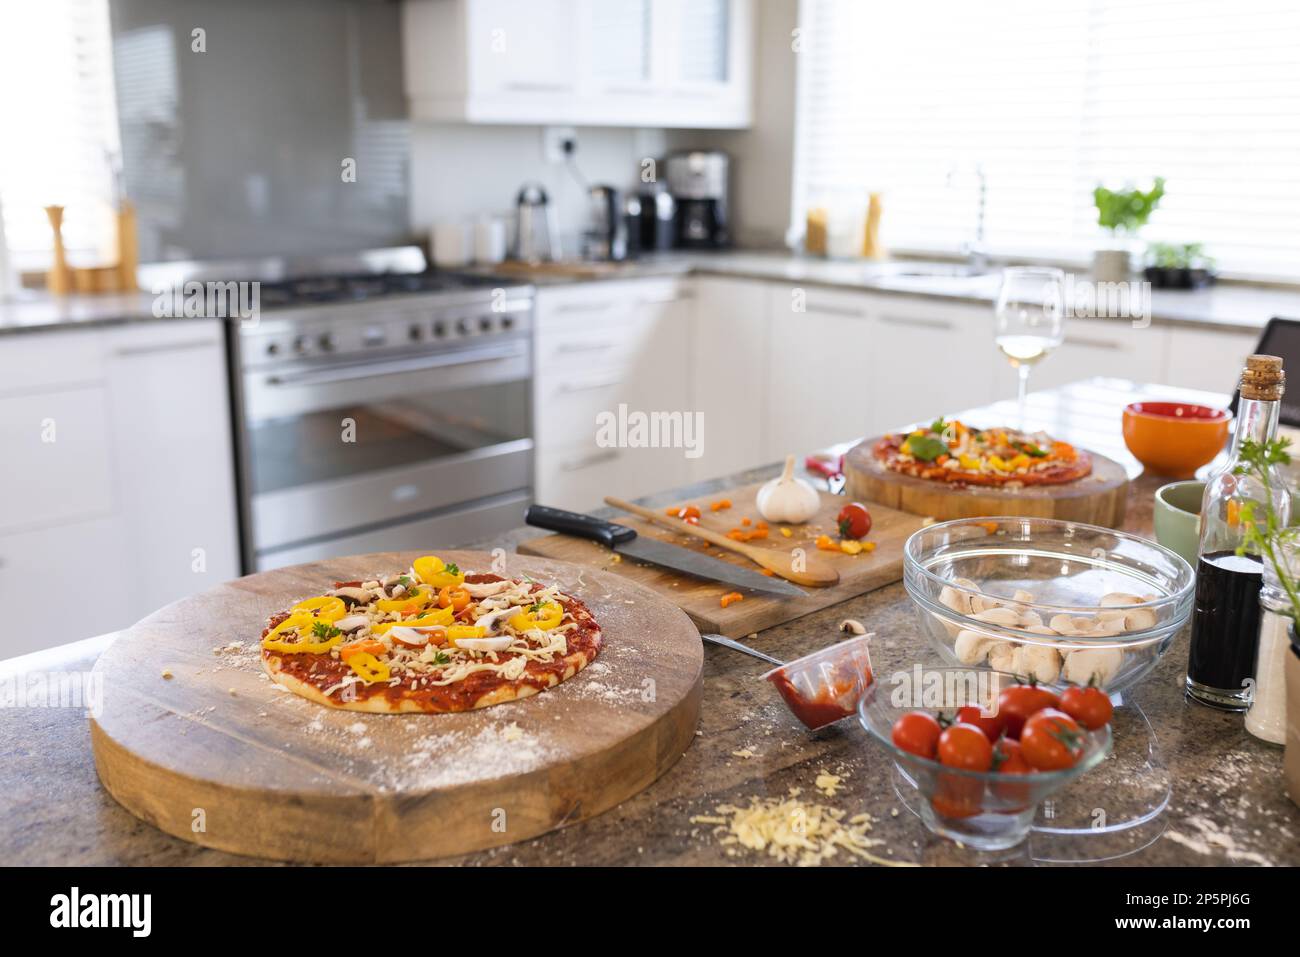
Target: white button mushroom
{"points": [[1040, 662], [1001, 655], [971, 646], [1096, 665]]}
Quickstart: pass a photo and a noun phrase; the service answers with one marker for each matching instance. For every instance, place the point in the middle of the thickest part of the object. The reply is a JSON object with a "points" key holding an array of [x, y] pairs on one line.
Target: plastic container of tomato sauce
{"points": [[825, 686]]}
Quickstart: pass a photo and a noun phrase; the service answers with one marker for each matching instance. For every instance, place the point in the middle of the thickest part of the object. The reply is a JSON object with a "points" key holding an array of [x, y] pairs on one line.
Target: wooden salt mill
{"points": [[58, 280]]}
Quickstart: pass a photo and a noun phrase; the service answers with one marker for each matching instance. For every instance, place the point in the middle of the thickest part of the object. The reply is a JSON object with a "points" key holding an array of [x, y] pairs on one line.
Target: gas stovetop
{"points": [[365, 287]]}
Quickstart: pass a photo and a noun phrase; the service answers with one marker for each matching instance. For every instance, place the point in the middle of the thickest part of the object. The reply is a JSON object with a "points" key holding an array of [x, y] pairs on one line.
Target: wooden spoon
{"points": [[815, 573]]}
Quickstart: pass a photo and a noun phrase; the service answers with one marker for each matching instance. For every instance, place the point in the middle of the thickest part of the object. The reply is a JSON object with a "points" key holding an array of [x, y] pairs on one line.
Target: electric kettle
{"points": [[537, 233]]}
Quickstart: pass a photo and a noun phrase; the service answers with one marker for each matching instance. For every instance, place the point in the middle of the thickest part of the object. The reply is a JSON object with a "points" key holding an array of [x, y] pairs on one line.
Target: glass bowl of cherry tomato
{"points": [[1049, 599], [983, 749]]}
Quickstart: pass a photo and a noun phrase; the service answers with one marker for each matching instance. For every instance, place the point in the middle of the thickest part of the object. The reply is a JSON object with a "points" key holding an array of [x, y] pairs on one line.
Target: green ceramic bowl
{"points": [[1178, 517]]}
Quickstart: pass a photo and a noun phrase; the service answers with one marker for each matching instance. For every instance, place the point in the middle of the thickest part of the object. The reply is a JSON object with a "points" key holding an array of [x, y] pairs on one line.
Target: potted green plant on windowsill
{"points": [[1178, 266], [1122, 212]]}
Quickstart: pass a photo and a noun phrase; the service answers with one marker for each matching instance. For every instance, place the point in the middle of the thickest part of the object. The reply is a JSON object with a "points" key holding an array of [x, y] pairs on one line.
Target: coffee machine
{"points": [[698, 182]]}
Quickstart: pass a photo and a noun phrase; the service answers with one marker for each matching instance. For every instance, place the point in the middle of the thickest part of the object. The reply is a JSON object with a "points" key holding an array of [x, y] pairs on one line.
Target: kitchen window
{"points": [[1047, 100], [60, 120]]}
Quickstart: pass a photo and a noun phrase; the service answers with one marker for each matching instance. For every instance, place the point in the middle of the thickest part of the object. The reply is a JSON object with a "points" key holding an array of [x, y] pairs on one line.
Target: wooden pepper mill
{"points": [[58, 280]]}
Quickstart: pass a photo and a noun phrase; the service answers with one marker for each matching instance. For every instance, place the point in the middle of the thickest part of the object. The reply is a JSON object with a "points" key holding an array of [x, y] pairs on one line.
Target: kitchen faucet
{"points": [[977, 260]]}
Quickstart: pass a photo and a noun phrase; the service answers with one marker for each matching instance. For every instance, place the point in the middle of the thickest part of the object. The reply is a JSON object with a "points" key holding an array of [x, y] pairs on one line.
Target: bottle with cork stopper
{"points": [[1226, 613]]}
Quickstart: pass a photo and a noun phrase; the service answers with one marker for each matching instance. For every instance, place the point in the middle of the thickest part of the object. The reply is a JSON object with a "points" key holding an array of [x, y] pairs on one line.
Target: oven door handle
{"points": [[368, 370]]}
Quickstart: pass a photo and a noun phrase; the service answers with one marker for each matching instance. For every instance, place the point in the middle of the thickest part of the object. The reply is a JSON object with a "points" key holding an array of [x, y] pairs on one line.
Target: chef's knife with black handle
{"points": [[627, 542]]}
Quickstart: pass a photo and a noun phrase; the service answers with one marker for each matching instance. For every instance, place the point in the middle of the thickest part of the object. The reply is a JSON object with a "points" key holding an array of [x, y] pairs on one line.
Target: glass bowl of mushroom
{"points": [[1052, 600]]}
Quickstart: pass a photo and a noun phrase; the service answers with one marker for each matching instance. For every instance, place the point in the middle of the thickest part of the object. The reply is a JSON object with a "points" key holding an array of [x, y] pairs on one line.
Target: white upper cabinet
{"points": [[644, 63]]}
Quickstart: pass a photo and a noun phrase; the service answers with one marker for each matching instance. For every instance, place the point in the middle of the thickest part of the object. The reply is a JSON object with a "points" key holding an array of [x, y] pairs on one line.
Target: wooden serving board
{"points": [[700, 599], [219, 755], [1098, 499]]}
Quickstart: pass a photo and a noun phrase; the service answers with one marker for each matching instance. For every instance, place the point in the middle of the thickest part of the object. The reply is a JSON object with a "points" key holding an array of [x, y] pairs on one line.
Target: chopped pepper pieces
{"points": [[543, 617], [326, 607], [436, 618], [306, 643], [432, 570], [731, 598], [370, 668], [720, 505]]}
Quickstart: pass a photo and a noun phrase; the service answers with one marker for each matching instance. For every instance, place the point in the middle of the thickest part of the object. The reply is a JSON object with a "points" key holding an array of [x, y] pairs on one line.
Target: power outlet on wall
{"points": [[558, 143]]}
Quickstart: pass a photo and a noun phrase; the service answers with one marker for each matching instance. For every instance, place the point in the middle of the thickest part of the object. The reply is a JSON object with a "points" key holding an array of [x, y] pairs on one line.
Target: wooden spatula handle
{"points": [[675, 524]]}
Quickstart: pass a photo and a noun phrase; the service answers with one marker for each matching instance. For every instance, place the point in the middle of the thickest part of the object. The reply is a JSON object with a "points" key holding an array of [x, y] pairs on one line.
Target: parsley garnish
{"points": [[451, 568], [441, 659], [926, 448], [323, 629]]}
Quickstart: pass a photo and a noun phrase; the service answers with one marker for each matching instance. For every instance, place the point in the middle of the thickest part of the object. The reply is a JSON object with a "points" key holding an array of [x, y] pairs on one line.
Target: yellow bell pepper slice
{"points": [[327, 608], [370, 668], [434, 619], [303, 625], [464, 631], [542, 617], [432, 570], [414, 598]]}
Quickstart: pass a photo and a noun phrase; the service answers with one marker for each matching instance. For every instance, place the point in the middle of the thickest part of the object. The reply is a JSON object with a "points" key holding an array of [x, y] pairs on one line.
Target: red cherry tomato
{"points": [[957, 796], [854, 521], [1018, 703], [1089, 706], [991, 726], [965, 746], [917, 733], [1010, 761], [1051, 740]]}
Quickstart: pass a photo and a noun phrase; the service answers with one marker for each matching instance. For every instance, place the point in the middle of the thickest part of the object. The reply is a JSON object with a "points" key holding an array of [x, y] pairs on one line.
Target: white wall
{"points": [[460, 171]]}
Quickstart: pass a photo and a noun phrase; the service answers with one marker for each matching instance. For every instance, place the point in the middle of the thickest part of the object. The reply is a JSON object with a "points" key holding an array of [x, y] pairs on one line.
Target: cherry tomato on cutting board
{"points": [[917, 733], [965, 746], [991, 726], [1018, 703], [1051, 740], [854, 521], [1089, 706]]}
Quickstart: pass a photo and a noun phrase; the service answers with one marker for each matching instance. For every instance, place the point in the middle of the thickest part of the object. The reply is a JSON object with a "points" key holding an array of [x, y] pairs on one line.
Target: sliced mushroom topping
{"points": [[487, 589]]}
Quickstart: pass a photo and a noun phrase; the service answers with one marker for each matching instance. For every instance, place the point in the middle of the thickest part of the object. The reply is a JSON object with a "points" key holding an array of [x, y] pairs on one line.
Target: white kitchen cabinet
{"points": [[123, 476], [645, 63], [819, 383], [618, 350], [931, 358], [729, 351], [1092, 347], [1207, 359]]}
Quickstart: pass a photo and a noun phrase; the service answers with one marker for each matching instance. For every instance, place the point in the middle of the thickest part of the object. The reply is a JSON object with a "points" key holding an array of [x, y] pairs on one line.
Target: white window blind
{"points": [[59, 128], [1050, 98]]}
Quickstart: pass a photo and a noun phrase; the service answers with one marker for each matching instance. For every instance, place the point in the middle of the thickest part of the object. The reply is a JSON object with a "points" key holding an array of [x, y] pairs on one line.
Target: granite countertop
{"points": [[1228, 307], [1226, 804]]}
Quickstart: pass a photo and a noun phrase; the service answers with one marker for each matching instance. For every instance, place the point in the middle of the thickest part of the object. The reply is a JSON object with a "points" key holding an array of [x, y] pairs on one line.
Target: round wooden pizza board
{"points": [[1098, 499], [219, 755]]}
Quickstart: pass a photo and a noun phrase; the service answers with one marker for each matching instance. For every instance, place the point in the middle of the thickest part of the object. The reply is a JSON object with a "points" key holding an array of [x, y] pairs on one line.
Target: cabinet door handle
{"points": [[565, 348], [162, 347], [847, 311], [582, 307], [918, 323], [568, 388], [1093, 343], [525, 86], [664, 300], [608, 455]]}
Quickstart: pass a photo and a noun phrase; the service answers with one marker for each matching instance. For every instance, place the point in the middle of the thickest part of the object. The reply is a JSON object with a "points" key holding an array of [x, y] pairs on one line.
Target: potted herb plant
{"points": [[1178, 266], [1122, 212]]}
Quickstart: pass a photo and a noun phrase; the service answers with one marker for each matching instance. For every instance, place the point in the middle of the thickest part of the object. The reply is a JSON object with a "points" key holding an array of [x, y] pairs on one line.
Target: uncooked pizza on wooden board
{"points": [[431, 638], [949, 451]]}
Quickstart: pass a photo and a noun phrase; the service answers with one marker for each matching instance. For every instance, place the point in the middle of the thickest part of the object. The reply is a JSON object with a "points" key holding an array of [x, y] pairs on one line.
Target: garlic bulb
{"points": [[788, 499]]}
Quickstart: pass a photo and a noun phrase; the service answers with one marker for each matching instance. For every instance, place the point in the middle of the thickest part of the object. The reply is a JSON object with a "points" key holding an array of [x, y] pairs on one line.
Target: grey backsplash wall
{"points": [[459, 172]]}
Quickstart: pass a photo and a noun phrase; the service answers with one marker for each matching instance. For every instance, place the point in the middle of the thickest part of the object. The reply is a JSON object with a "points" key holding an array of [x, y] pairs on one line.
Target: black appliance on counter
{"points": [[698, 182]]}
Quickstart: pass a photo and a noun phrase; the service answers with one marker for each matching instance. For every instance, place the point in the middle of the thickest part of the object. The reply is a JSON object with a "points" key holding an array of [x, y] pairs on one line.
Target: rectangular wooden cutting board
{"points": [[701, 599]]}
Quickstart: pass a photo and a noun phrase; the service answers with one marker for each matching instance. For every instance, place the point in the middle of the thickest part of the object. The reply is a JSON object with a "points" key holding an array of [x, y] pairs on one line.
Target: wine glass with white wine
{"points": [[1029, 316]]}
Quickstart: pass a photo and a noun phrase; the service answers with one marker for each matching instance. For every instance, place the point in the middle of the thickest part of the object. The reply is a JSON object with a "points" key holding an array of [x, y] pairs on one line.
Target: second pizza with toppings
{"points": [[950, 451], [431, 638]]}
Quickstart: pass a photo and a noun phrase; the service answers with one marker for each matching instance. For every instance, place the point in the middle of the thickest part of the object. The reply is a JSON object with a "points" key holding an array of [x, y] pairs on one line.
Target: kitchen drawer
{"points": [[40, 569], [602, 325], [1209, 360], [41, 361], [1093, 347], [567, 404], [57, 465]]}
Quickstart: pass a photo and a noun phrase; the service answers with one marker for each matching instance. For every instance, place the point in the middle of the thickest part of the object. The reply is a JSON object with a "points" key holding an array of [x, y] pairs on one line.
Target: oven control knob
{"points": [[507, 322], [300, 344], [485, 324], [273, 349], [415, 332], [462, 327], [439, 329], [326, 342]]}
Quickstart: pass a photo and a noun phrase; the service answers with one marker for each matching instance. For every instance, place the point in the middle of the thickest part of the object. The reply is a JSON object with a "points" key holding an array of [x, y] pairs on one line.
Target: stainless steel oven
{"points": [[397, 422]]}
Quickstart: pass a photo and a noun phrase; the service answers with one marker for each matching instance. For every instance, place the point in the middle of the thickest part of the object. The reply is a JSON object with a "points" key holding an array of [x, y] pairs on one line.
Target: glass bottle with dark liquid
{"points": [[1225, 619]]}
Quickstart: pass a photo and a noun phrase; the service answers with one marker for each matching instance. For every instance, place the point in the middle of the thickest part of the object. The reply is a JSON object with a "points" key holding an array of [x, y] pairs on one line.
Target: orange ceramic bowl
{"points": [[1174, 438]]}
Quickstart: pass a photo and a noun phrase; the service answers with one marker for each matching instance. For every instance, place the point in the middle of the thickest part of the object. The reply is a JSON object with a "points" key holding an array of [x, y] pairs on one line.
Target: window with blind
{"points": [[1049, 99], [60, 128]]}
